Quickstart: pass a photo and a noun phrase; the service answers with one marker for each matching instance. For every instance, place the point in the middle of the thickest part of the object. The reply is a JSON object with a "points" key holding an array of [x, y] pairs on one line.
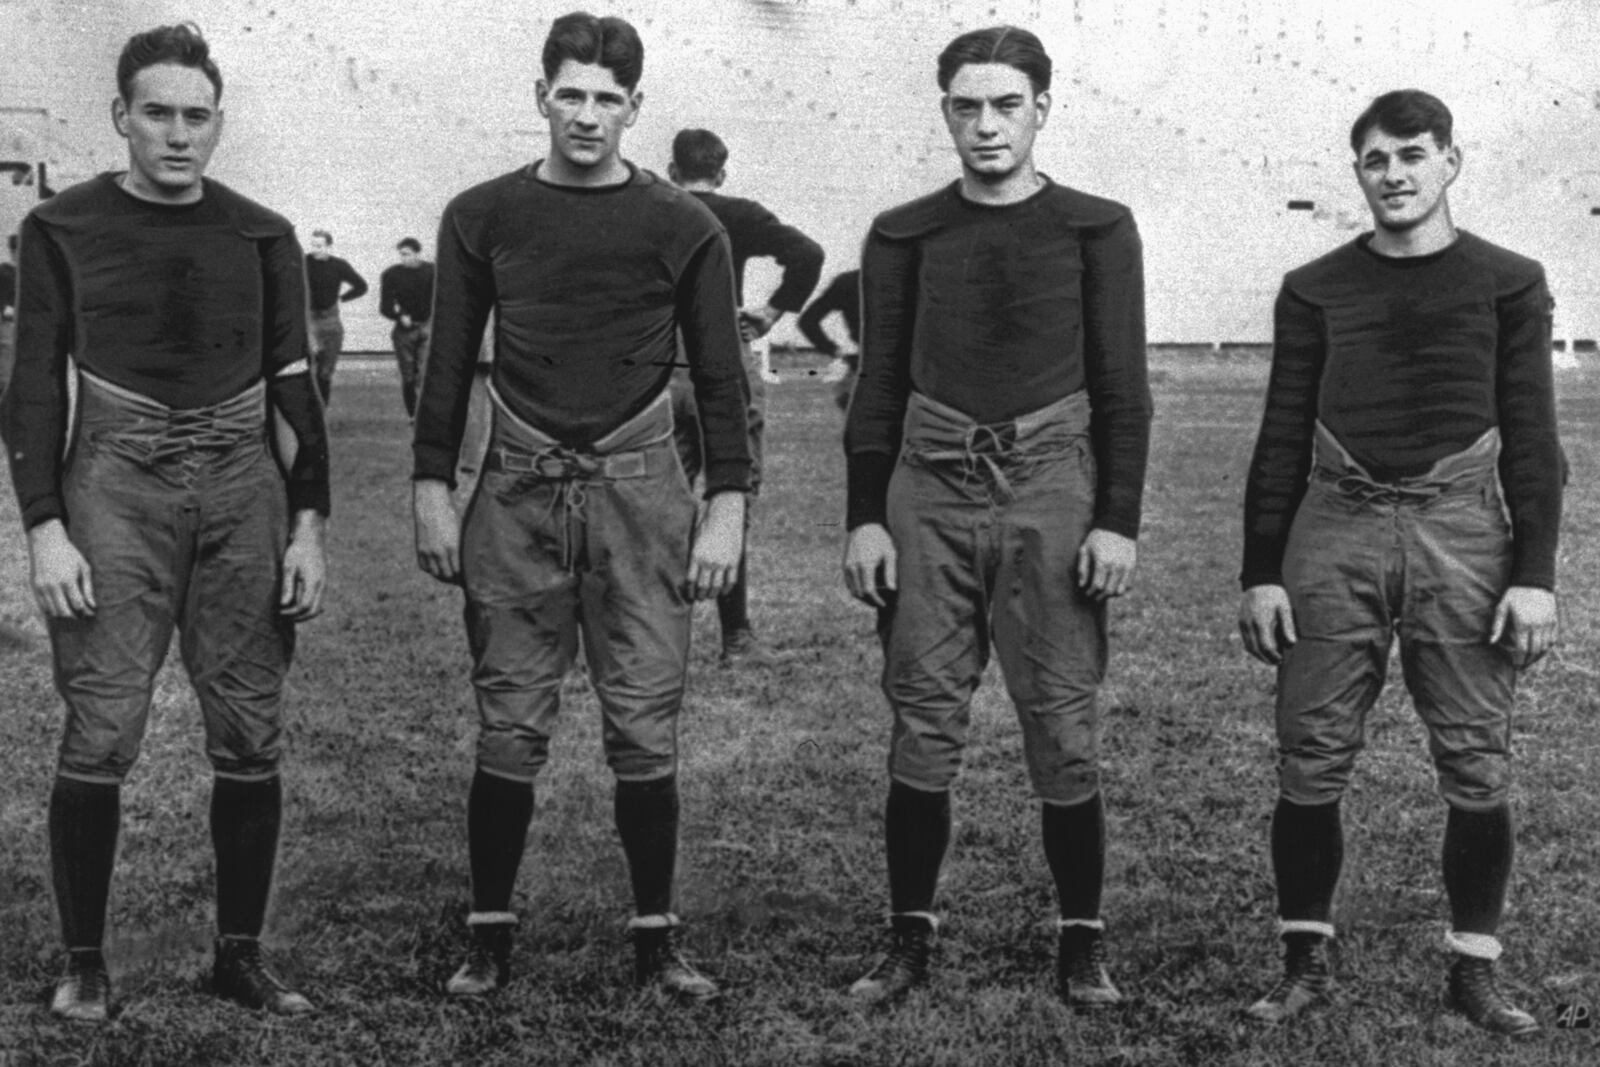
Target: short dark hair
{"points": [[182, 45], [584, 38], [411, 243], [1011, 45], [11, 243], [698, 154], [1404, 113], [324, 234]]}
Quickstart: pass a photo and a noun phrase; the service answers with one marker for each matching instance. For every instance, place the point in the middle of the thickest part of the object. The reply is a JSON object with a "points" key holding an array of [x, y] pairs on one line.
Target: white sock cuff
{"points": [[1305, 926], [1478, 946], [933, 920], [491, 918], [1093, 924], [653, 922]]}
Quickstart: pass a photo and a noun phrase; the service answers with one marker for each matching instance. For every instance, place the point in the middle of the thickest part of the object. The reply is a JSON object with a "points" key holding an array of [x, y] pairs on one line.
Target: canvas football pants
{"points": [[987, 521], [1427, 559], [556, 542], [182, 517], [326, 330]]}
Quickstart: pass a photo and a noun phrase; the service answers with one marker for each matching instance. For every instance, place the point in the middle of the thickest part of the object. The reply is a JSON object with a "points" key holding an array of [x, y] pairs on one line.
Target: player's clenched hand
{"points": [[305, 569], [1105, 564], [1266, 622], [1526, 620], [870, 563], [718, 546], [438, 530], [62, 583]]}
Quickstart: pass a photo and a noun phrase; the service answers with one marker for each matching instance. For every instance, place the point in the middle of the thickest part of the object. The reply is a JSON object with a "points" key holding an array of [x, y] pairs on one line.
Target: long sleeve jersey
{"points": [[998, 311], [326, 276], [843, 295], [1407, 360], [404, 290], [754, 232], [185, 304], [590, 288]]}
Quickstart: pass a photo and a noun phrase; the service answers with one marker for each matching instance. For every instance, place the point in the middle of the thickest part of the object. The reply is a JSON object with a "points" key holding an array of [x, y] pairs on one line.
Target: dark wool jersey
{"points": [[404, 290], [843, 295], [187, 304], [754, 232], [589, 287], [8, 285], [1407, 360], [325, 277], [998, 311]]}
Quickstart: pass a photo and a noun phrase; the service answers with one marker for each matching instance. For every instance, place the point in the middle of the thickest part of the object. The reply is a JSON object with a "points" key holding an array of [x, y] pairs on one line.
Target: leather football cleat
{"points": [[1081, 977], [660, 966], [1306, 980], [1474, 993], [903, 967], [83, 993], [488, 963], [240, 974]]}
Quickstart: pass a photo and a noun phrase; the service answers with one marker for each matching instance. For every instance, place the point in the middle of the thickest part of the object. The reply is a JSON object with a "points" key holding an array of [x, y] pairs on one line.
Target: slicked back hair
{"points": [[611, 42], [181, 44], [1404, 113], [698, 155], [1011, 45]]}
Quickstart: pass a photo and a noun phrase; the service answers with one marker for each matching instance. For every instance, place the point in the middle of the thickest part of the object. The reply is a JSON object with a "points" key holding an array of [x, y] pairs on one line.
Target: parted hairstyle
{"points": [[182, 45], [1011, 45], [611, 42], [698, 154], [1404, 113]]}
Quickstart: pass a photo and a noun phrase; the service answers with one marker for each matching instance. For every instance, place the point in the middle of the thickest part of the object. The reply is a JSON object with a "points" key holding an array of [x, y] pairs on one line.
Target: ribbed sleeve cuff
{"points": [[432, 464], [868, 493], [727, 476], [310, 496], [42, 510]]}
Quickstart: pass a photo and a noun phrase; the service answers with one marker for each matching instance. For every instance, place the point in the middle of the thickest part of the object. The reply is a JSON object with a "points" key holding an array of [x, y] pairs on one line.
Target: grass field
{"points": [[783, 774]]}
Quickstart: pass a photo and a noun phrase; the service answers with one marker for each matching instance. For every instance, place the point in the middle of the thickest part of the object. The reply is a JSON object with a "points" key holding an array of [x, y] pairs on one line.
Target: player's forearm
{"points": [[1532, 465], [710, 329], [294, 399], [33, 412], [1281, 461]]}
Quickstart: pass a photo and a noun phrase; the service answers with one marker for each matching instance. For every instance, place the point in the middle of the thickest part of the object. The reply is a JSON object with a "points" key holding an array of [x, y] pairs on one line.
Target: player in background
{"points": [[996, 448], [843, 295], [330, 281], [181, 304], [405, 297], [1406, 482], [582, 519], [699, 165]]}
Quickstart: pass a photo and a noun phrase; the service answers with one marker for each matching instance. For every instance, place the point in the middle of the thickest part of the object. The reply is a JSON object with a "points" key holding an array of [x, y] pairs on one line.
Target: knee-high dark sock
{"points": [[244, 831], [733, 607], [917, 831], [498, 813], [1478, 847], [1075, 846], [1307, 852], [647, 822], [84, 817]]}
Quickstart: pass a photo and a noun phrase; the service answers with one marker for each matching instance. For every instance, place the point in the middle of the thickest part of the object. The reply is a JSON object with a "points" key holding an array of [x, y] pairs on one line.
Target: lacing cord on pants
{"points": [[1367, 491], [981, 447], [184, 432]]}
